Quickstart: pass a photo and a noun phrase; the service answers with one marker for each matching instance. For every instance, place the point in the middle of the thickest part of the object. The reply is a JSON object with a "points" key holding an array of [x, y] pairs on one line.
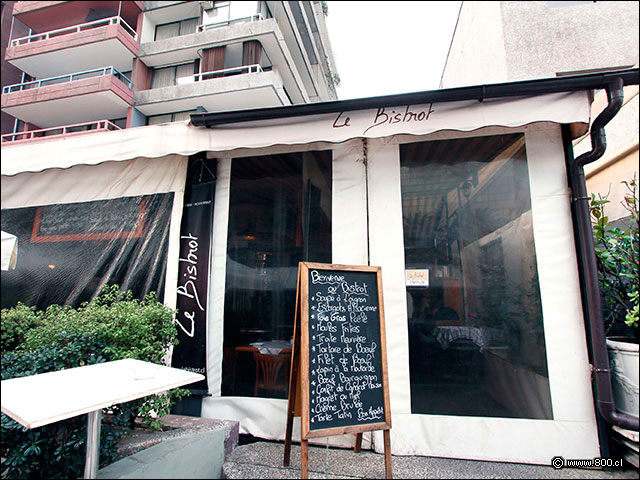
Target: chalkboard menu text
{"points": [[339, 381]]}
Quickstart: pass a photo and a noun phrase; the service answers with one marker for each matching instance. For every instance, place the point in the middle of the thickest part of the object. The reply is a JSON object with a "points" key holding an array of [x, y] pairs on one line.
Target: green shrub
{"points": [[616, 247], [15, 324], [143, 330]]}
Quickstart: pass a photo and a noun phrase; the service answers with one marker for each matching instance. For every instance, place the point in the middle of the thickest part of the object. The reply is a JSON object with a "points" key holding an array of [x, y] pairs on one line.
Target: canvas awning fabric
{"points": [[181, 138]]}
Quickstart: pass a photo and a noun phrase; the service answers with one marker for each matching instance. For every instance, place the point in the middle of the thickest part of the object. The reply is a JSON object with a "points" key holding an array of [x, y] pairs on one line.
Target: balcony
{"points": [[57, 132], [77, 48], [247, 86], [70, 99], [58, 14], [186, 48]]}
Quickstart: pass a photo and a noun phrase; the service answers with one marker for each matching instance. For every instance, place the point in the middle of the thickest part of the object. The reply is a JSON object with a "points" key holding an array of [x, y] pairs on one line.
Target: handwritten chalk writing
{"points": [[371, 413], [317, 277], [344, 358], [348, 328], [354, 289]]}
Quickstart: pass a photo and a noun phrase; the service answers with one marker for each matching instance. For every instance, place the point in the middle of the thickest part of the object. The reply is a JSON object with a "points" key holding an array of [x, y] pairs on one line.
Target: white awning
{"points": [[184, 139]]}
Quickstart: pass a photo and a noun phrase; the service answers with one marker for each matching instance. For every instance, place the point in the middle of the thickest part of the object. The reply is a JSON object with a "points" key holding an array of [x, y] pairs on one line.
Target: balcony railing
{"points": [[75, 29], [256, 68], [253, 18], [45, 82], [46, 133]]}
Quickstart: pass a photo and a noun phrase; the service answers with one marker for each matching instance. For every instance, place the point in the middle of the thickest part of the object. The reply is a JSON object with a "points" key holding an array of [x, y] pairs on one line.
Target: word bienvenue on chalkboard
{"points": [[345, 364]]}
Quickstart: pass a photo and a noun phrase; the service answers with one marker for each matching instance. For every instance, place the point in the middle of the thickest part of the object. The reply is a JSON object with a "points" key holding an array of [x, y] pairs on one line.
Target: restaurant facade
{"points": [[462, 196]]}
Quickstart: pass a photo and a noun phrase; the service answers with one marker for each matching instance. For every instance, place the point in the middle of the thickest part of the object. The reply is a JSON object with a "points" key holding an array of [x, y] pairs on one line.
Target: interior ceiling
{"points": [[463, 155], [279, 171], [448, 164]]}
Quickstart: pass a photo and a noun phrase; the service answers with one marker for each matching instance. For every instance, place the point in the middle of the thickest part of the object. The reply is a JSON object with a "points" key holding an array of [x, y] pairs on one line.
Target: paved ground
{"points": [[264, 460]]}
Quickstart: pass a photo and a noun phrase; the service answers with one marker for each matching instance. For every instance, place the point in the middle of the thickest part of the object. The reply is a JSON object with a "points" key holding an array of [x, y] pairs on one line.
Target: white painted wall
{"points": [[542, 40], [477, 53], [509, 41]]}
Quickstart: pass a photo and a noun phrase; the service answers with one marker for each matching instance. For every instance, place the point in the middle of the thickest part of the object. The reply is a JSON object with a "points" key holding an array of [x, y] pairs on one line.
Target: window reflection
{"points": [[279, 215], [475, 331]]}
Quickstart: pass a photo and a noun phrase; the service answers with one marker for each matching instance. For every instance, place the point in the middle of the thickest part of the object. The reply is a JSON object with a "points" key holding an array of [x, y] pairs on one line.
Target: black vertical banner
{"points": [[193, 279]]}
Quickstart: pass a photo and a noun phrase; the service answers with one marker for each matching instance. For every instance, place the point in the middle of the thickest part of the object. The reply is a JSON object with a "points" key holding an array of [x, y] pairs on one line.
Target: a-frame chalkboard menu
{"points": [[339, 381]]}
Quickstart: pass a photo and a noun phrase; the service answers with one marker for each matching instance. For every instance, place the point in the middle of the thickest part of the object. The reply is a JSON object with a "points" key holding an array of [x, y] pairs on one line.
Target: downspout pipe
{"points": [[601, 370]]}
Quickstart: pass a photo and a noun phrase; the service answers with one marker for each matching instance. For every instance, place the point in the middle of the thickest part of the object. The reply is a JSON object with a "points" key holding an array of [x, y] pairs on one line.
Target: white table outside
{"points": [[41, 399]]}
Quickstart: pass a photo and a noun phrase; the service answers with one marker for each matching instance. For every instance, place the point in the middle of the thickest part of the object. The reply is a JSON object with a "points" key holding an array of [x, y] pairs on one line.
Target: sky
{"points": [[385, 48]]}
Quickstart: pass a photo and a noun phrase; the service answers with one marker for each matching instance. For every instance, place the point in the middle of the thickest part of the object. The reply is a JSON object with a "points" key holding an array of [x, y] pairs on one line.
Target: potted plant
{"points": [[616, 244]]}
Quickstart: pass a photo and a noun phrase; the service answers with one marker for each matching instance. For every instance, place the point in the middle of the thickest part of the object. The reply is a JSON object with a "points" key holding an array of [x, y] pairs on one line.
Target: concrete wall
{"points": [[477, 53], [510, 41], [541, 41], [199, 455]]}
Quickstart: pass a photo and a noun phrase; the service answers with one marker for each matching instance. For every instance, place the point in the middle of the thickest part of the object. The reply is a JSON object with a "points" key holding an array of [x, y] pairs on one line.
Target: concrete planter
{"points": [[623, 359], [189, 447]]}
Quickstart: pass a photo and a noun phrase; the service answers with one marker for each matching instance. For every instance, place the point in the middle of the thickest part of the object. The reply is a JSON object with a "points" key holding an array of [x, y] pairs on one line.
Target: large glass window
{"points": [[475, 319], [176, 29], [279, 215], [171, 76]]}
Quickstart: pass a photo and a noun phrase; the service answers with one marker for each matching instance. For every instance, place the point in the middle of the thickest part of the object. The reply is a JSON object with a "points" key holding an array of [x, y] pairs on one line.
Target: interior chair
{"points": [[272, 372]]}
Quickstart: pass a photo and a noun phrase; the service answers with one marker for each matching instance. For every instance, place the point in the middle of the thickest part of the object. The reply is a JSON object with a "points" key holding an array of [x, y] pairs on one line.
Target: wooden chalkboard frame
{"points": [[299, 396]]}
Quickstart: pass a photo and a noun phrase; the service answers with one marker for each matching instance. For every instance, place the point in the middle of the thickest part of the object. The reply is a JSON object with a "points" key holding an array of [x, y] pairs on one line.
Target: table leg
{"points": [[92, 458]]}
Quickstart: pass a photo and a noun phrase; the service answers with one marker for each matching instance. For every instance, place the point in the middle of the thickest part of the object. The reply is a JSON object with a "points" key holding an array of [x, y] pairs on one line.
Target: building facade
{"points": [[511, 41], [487, 355], [120, 64]]}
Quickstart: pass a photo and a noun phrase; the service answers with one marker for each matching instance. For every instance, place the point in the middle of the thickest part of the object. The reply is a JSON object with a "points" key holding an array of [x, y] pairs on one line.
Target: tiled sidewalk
{"points": [[264, 460]]}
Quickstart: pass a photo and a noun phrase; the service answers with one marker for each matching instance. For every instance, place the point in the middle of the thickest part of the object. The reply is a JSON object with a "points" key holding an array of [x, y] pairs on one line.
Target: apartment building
{"points": [[512, 41], [92, 66]]}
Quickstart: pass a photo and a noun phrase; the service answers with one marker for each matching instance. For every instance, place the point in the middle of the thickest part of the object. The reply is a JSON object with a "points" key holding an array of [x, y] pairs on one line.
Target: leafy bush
{"points": [[617, 256], [16, 322], [143, 330], [112, 326]]}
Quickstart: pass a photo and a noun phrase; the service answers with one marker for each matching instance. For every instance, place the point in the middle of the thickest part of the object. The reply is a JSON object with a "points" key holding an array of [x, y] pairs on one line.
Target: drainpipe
{"points": [[601, 371]]}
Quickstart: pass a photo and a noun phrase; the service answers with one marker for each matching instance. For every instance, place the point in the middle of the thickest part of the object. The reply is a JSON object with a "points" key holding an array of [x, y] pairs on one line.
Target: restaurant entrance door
{"points": [[279, 215]]}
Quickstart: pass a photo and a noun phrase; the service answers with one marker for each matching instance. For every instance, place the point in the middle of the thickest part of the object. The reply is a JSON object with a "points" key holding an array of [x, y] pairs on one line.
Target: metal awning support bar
{"points": [[526, 88]]}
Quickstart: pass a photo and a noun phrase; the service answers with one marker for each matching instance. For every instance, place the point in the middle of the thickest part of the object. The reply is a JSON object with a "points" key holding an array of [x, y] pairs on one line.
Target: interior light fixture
{"points": [[51, 266]]}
